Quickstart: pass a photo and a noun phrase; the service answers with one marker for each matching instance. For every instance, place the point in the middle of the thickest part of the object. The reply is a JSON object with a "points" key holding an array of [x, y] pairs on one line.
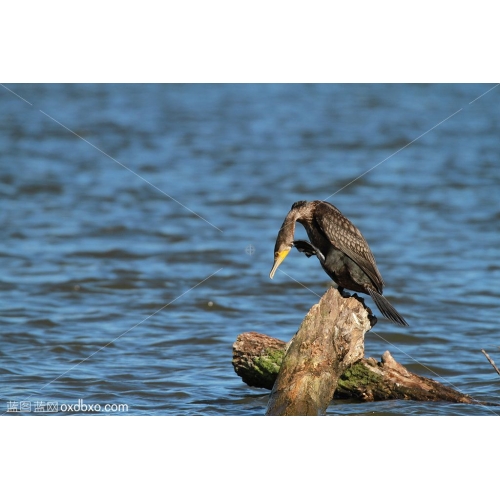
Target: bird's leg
{"points": [[342, 292]]}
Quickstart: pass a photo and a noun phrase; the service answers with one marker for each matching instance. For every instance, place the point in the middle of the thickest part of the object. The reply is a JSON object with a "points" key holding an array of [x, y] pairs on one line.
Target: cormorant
{"points": [[340, 247]]}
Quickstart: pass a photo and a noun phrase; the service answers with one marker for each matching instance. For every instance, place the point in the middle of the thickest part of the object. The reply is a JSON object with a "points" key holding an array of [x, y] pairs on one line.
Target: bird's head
{"points": [[284, 241], [281, 250]]}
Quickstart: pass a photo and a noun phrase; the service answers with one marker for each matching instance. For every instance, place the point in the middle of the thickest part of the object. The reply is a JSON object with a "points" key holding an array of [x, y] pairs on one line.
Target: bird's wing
{"points": [[345, 236]]}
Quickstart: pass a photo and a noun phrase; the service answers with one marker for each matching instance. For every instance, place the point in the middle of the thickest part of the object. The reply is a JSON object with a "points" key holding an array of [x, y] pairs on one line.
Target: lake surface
{"points": [[138, 225]]}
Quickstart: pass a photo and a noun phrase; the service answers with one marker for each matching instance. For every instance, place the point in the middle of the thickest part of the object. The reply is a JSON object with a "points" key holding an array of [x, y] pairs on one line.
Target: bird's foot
{"points": [[343, 292]]}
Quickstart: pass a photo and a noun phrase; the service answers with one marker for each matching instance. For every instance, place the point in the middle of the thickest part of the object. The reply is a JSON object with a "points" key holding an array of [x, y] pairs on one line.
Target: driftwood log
{"points": [[325, 358], [257, 360]]}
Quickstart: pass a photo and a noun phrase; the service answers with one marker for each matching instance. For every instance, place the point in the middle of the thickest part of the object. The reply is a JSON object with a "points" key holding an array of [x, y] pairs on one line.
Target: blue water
{"points": [[138, 225]]}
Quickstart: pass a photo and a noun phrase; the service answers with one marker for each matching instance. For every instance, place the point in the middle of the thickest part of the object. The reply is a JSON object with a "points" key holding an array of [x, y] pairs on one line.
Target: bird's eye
{"points": [[276, 254]]}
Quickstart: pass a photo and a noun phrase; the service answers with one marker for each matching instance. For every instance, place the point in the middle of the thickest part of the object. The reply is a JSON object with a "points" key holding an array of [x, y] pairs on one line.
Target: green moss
{"points": [[358, 375], [269, 363]]}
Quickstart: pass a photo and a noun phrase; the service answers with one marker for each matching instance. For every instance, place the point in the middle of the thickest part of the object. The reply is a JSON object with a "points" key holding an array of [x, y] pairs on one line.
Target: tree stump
{"points": [[329, 340]]}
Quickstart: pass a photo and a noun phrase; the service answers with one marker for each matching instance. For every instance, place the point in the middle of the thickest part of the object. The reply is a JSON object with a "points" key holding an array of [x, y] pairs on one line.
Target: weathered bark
{"points": [[370, 380], [329, 340], [257, 358]]}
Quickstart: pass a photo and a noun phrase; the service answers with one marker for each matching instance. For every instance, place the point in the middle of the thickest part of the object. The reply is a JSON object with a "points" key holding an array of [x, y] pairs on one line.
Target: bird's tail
{"points": [[386, 308]]}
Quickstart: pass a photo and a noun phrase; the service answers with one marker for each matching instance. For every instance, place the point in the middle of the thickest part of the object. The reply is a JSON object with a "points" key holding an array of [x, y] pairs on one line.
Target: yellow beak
{"points": [[277, 261]]}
